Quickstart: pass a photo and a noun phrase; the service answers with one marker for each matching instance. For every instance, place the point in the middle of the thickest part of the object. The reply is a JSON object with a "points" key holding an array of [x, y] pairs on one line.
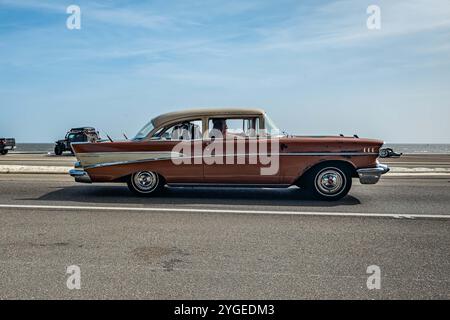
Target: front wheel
{"points": [[145, 183], [4, 152], [331, 182], [384, 153]]}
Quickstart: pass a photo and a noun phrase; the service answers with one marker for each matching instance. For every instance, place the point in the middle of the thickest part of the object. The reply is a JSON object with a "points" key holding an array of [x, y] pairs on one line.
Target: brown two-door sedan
{"points": [[228, 147]]}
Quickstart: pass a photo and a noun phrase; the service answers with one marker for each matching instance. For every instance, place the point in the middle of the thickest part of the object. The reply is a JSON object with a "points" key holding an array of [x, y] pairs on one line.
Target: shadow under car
{"points": [[118, 194]]}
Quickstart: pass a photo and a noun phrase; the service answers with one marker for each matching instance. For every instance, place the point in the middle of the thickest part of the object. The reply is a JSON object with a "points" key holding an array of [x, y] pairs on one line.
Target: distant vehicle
{"points": [[7, 144], [389, 153], [83, 134]]}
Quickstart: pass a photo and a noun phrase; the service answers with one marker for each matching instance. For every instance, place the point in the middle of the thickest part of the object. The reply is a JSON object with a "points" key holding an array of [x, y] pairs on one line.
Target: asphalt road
{"points": [[226, 244]]}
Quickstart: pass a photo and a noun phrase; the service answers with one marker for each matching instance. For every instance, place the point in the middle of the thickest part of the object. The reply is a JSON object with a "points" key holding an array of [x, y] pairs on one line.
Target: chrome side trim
{"points": [[88, 159], [80, 176], [108, 164], [181, 157], [329, 154], [102, 154], [372, 175]]}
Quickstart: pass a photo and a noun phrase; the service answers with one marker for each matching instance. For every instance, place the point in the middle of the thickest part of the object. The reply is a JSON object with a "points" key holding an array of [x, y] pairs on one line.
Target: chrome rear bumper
{"points": [[372, 175], [80, 175]]}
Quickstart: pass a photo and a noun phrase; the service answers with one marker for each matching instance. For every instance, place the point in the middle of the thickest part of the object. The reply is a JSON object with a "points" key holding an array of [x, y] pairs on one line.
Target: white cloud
{"points": [[343, 23], [98, 11]]}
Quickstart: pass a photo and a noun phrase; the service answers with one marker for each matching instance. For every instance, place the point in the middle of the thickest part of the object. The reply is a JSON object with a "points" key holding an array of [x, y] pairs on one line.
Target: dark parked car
{"points": [[84, 134], [389, 153], [7, 144]]}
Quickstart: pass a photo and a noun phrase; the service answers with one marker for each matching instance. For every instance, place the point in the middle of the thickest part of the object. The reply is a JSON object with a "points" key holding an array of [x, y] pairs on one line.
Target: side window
{"points": [[233, 127], [186, 130], [81, 137], [236, 126]]}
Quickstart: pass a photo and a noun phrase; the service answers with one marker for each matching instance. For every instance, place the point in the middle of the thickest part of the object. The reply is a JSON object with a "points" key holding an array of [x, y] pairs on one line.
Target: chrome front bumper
{"points": [[372, 175], [80, 175]]}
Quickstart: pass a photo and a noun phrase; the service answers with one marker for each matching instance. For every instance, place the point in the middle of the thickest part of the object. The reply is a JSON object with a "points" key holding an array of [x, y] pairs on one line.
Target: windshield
{"points": [[144, 131], [271, 129]]}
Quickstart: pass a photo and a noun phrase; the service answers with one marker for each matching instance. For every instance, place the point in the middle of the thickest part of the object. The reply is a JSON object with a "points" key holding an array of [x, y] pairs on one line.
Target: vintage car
{"points": [[229, 147]]}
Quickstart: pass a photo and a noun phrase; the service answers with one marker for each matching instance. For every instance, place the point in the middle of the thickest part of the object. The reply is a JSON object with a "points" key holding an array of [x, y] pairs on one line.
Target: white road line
{"points": [[257, 212]]}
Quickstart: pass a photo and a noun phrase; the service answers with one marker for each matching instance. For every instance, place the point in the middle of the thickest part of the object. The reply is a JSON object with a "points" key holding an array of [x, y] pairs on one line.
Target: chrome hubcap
{"points": [[145, 180], [329, 181]]}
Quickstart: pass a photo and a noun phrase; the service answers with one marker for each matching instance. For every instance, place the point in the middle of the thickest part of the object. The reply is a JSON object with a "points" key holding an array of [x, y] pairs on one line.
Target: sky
{"points": [[314, 66]]}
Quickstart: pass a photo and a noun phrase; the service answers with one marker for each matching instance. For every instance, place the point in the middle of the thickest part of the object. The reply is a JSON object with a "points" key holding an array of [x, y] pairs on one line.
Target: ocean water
{"points": [[34, 147], [398, 147]]}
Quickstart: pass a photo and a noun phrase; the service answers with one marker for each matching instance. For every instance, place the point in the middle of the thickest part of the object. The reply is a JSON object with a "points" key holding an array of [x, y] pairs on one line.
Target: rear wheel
{"points": [[328, 182], [145, 183], [58, 150], [4, 152]]}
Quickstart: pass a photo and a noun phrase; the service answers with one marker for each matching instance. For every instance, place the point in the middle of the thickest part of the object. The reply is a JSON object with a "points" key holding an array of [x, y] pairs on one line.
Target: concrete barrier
{"points": [[419, 170], [34, 169]]}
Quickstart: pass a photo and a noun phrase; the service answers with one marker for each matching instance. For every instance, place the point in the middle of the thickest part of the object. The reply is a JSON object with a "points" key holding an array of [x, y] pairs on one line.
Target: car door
{"points": [[184, 141], [237, 155]]}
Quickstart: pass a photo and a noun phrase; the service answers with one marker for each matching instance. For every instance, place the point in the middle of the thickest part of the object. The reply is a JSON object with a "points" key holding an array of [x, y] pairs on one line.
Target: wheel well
{"points": [[340, 163]]}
